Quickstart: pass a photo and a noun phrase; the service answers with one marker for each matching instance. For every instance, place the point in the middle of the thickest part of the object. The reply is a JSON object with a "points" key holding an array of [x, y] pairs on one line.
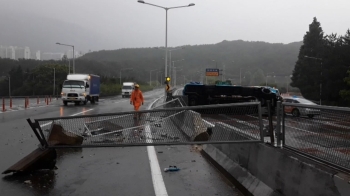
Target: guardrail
{"points": [[318, 132]]}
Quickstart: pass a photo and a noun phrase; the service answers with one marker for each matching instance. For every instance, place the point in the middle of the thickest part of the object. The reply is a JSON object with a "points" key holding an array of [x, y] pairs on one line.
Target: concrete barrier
{"points": [[191, 124], [261, 169], [266, 170]]}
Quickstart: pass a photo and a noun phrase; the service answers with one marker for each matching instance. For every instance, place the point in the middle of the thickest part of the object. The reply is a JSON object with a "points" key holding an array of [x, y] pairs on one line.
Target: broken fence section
{"points": [[164, 126]]}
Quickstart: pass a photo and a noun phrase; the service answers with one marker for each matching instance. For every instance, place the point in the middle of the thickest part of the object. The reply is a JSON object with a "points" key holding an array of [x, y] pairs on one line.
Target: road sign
{"points": [[167, 87], [211, 72]]}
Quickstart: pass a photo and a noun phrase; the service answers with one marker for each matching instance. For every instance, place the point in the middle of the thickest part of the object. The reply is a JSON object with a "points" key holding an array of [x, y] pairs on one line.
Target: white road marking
{"points": [[157, 178], [43, 125]]}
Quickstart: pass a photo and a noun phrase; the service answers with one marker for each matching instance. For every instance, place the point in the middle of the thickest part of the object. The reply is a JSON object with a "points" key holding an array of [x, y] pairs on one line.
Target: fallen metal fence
{"points": [[319, 132], [166, 126]]}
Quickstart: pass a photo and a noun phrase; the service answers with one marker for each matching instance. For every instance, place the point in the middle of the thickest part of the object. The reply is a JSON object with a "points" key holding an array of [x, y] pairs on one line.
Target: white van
{"points": [[127, 89]]}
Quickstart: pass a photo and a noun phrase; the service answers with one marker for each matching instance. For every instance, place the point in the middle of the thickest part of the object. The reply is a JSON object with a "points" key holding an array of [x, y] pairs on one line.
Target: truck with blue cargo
{"points": [[81, 88]]}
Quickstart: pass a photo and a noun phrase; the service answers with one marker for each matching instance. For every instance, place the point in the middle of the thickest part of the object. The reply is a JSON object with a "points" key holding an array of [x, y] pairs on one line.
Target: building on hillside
{"points": [[3, 51], [27, 53], [51, 56], [37, 55], [10, 52], [78, 54], [19, 53]]}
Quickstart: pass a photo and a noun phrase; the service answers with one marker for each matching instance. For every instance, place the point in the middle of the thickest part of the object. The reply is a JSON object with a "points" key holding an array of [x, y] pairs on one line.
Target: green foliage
{"points": [[327, 66]]}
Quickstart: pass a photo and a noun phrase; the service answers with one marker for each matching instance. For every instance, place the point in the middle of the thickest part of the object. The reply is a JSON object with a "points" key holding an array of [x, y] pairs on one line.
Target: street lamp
{"points": [[216, 63], [267, 75], [320, 75], [170, 56], [120, 75], [170, 68], [160, 77], [9, 85], [73, 54], [287, 82], [166, 27], [150, 76], [54, 81], [175, 74]]}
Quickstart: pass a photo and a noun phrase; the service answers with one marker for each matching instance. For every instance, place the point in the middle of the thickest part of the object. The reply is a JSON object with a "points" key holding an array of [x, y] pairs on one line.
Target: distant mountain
{"points": [[40, 33], [233, 55]]}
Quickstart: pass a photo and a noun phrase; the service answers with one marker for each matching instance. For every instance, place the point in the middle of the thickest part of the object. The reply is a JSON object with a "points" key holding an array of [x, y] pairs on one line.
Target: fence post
{"points": [[278, 126], [37, 100], [10, 102], [261, 123], [269, 111], [283, 127], [3, 104], [25, 102], [47, 100]]}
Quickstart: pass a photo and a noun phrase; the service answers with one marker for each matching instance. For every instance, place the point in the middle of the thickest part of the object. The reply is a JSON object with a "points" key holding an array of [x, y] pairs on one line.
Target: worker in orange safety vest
{"points": [[136, 99]]}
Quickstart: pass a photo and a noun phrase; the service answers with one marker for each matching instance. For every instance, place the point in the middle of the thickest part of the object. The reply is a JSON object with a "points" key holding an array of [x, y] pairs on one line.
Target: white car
{"points": [[300, 111]]}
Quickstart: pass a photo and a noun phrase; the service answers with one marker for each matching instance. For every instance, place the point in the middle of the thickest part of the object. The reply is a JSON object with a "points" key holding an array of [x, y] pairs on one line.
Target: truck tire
{"points": [[97, 99], [77, 102], [92, 100], [85, 101], [65, 102], [122, 96]]}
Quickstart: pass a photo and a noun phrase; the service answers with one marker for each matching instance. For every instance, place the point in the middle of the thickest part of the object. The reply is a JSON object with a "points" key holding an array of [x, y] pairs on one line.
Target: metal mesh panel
{"points": [[320, 131], [183, 125], [174, 103]]}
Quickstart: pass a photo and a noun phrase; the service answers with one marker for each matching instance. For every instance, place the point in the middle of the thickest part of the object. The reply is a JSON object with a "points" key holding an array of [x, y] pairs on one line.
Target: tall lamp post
{"points": [[216, 63], [170, 68], [170, 56], [267, 75], [319, 59], [166, 28], [160, 77], [150, 76], [54, 81], [120, 75], [9, 86], [73, 54], [175, 74]]}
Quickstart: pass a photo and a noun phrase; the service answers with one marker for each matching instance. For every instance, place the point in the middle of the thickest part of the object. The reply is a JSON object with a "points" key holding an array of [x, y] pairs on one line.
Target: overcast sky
{"points": [[127, 23]]}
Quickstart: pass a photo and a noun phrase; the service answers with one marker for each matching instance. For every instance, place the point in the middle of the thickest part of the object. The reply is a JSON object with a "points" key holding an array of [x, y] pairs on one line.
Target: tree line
{"points": [[46, 77], [322, 69]]}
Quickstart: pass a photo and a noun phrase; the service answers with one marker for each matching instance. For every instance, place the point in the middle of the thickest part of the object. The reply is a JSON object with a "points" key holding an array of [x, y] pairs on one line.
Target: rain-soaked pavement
{"points": [[101, 171]]}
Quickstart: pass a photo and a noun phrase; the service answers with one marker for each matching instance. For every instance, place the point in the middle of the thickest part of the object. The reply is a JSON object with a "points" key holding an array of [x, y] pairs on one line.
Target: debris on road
{"points": [[27, 182], [171, 169]]}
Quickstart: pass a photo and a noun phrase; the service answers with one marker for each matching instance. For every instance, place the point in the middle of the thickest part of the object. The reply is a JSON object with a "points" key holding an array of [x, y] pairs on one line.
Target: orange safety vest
{"points": [[136, 97]]}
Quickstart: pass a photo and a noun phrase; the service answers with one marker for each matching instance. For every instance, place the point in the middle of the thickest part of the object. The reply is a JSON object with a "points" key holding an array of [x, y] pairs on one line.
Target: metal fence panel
{"points": [[167, 126], [319, 131]]}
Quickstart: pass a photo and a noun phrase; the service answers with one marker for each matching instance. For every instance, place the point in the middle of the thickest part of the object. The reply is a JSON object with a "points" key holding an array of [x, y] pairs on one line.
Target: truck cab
{"points": [[80, 88], [127, 89]]}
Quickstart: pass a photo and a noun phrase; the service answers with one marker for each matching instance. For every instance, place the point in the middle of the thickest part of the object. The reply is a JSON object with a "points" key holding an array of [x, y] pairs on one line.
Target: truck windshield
{"points": [[73, 84], [127, 87]]}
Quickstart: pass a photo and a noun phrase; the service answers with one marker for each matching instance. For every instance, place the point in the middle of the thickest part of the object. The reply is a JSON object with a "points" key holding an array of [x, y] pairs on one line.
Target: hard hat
{"points": [[136, 85]]}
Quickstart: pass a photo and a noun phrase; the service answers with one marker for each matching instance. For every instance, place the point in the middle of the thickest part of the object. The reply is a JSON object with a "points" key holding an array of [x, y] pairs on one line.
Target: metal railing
{"points": [[319, 132], [167, 126]]}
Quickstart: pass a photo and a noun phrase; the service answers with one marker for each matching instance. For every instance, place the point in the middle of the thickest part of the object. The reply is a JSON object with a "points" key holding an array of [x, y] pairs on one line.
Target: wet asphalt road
{"points": [[101, 171]]}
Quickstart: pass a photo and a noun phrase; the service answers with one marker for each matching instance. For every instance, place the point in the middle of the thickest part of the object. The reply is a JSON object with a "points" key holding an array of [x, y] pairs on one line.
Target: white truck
{"points": [[81, 88], [127, 89]]}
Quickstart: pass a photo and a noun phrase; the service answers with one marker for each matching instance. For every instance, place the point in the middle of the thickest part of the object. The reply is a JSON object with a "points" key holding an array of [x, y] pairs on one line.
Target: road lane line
{"points": [[43, 125], [157, 178]]}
